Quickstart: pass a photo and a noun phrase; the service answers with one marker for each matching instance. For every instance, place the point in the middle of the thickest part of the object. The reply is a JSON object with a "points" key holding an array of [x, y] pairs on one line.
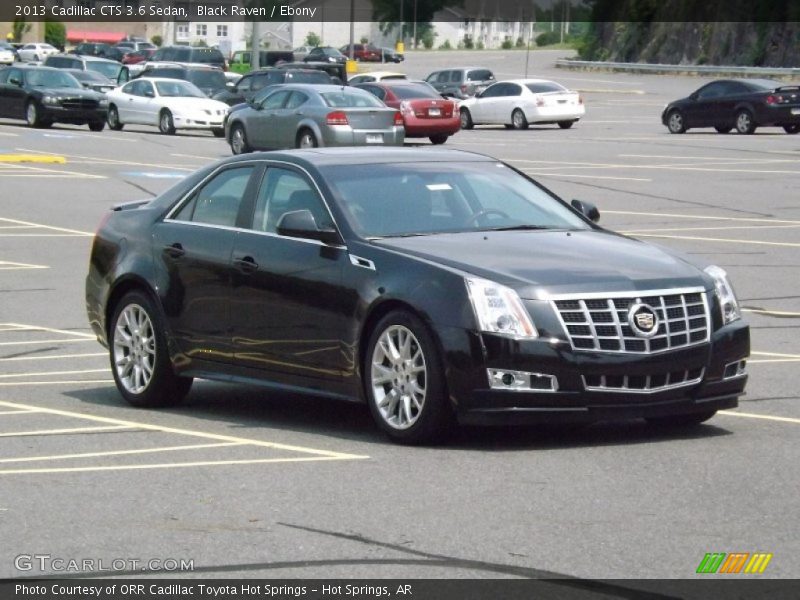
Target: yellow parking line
{"points": [[731, 413], [699, 217], [720, 240], [33, 158], [781, 355], [49, 373], [69, 430], [16, 412], [50, 227], [188, 432], [211, 463], [24, 327], [112, 161], [772, 360], [118, 452], [50, 357]]}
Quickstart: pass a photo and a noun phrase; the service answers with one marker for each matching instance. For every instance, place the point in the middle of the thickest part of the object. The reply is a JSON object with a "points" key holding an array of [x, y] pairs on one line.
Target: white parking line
{"points": [[119, 452], [700, 217], [38, 432], [50, 373], [731, 413], [34, 342], [49, 227], [51, 356], [24, 327], [15, 266], [720, 240]]}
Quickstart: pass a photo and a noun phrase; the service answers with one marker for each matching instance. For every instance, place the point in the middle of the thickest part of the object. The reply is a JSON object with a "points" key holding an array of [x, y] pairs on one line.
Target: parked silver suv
{"points": [[462, 82]]}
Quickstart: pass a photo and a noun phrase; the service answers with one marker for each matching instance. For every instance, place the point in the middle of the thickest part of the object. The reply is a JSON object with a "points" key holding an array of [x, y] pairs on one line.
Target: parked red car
{"points": [[137, 56], [425, 113], [363, 52]]}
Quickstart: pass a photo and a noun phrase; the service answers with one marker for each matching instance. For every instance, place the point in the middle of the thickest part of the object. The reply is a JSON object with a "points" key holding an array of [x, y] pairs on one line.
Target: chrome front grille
{"points": [[79, 103], [599, 322], [643, 384]]}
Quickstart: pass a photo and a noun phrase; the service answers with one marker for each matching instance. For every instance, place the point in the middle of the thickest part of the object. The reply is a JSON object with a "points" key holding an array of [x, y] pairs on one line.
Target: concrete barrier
{"points": [[651, 68]]}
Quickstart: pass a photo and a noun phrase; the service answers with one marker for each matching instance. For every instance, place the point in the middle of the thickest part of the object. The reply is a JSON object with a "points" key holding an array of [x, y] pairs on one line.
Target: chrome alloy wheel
{"points": [[134, 348], [237, 140], [307, 140], [398, 377], [744, 122], [675, 122], [31, 115], [518, 119]]}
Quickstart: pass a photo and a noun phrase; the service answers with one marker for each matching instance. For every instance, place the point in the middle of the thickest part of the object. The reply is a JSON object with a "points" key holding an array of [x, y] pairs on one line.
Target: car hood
{"points": [[70, 93], [542, 263], [194, 104]]}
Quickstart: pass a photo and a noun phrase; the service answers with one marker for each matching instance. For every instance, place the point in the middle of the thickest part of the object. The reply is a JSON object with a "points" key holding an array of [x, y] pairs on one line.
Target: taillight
{"points": [[398, 119], [580, 99], [337, 118], [772, 99]]}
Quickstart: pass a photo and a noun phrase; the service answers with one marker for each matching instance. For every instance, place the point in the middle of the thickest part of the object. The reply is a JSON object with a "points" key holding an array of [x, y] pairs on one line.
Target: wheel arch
{"points": [[313, 127], [122, 286]]}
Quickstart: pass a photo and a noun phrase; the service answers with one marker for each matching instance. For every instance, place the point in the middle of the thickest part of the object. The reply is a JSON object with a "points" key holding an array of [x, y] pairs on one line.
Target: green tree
{"points": [[387, 13], [313, 40], [55, 33], [157, 40], [19, 28]]}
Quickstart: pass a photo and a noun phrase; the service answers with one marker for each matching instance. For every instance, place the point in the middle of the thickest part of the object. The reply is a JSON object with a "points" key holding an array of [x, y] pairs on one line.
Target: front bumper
{"points": [[470, 354], [199, 121], [75, 116]]}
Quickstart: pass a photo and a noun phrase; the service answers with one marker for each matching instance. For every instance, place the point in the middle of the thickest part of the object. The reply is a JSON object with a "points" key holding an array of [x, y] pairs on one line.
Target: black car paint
{"points": [[315, 298], [14, 100], [721, 111]]}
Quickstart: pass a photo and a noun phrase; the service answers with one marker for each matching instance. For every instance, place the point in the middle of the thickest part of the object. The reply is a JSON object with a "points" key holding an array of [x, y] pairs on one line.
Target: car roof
{"points": [[362, 155], [88, 58], [160, 79], [382, 74], [524, 81]]}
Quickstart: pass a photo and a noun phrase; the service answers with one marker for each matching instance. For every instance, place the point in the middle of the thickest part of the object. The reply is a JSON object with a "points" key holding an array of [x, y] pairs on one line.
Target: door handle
{"points": [[300, 112], [246, 264], [174, 250]]}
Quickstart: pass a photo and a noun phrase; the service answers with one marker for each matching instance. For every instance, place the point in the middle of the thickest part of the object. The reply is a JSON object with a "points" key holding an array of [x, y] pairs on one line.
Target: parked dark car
{"points": [[325, 54], [425, 112], [211, 80], [336, 71], [249, 85], [241, 61], [92, 80], [43, 96], [189, 54], [461, 82], [436, 286], [133, 45], [91, 49], [110, 69], [743, 104], [312, 115], [391, 55]]}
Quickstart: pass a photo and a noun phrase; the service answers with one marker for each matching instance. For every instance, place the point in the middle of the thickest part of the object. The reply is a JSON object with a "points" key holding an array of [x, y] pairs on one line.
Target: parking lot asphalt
{"points": [[246, 482]]}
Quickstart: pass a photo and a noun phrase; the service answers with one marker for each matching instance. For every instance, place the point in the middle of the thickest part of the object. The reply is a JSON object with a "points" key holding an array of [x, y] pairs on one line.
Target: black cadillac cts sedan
{"points": [[437, 286]]}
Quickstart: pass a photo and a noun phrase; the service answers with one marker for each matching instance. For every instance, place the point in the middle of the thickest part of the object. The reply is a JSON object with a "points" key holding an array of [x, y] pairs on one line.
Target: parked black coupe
{"points": [[434, 285], [44, 95], [744, 104]]}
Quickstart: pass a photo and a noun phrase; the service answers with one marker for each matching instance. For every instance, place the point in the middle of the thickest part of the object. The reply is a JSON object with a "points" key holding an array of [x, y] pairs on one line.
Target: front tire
{"points": [[113, 119], [166, 124], [466, 119], [439, 138], [140, 360], [518, 119], [404, 381], [97, 125], [33, 115], [745, 123], [566, 124], [238, 141], [676, 123], [677, 421], [791, 129]]}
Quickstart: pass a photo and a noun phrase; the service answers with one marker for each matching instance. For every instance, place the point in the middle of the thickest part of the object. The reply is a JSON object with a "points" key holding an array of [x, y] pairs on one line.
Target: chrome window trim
{"points": [[252, 163], [364, 263]]}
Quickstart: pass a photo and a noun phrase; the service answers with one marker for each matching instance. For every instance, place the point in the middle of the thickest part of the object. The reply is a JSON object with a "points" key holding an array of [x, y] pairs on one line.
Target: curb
{"points": [[32, 158], [610, 91], [659, 69]]}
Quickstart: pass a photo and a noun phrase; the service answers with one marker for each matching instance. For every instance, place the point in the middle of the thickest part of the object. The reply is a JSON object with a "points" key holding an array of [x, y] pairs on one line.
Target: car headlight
{"points": [[727, 298], [50, 100], [103, 101], [499, 309]]}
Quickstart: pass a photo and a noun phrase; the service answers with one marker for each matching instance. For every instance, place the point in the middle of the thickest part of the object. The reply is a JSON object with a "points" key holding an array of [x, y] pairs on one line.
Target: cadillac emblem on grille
{"points": [[643, 320]]}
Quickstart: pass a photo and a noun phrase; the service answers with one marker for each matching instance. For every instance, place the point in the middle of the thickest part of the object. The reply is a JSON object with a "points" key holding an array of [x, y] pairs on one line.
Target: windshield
{"points": [[406, 92], [109, 69], [351, 99], [182, 89], [390, 200], [207, 55], [51, 79], [88, 76], [207, 79]]}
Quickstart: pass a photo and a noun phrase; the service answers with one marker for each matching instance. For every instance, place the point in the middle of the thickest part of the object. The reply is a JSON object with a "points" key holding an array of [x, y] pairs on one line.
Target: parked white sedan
{"points": [[35, 52], [520, 102], [169, 104]]}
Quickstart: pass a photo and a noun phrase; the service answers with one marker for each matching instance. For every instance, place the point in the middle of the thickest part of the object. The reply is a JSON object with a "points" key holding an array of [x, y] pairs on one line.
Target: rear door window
{"points": [[218, 201], [480, 75]]}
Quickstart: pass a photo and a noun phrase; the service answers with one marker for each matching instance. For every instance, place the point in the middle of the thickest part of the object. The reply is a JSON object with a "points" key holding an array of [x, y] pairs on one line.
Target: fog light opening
{"points": [[735, 369], [501, 379]]}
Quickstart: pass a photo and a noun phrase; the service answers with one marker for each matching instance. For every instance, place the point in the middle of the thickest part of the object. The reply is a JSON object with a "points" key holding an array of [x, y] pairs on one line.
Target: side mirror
{"points": [[15, 81], [230, 85], [587, 209], [479, 95], [124, 76], [301, 224], [694, 96]]}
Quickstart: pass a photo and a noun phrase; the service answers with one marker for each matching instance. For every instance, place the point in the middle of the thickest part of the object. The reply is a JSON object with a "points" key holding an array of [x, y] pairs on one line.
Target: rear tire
{"points": [[306, 139], [791, 129], [113, 119], [566, 124], [466, 119], [725, 129], [677, 421], [238, 141], [439, 138], [404, 381], [676, 123], [166, 124], [745, 123], [518, 119], [218, 132], [97, 125], [140, 361]]}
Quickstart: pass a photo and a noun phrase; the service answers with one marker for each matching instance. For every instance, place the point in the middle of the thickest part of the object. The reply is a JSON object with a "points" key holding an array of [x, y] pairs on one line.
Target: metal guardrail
{"points": [[651, 68]]}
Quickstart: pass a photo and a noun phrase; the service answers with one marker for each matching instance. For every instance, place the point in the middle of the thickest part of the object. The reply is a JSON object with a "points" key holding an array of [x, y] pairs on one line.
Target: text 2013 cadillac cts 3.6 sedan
{"points": [[436, 286]]}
